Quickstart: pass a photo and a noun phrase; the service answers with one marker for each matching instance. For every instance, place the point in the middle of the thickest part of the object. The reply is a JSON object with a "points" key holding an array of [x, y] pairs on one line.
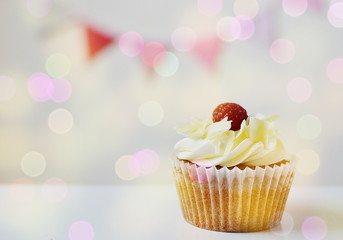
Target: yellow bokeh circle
{"points": [[309, 126], [308, 161], [33, 164]]}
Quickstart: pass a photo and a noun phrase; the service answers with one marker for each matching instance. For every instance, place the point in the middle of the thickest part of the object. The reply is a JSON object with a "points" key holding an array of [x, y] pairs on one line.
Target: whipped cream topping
{"points": [[257, 142]]}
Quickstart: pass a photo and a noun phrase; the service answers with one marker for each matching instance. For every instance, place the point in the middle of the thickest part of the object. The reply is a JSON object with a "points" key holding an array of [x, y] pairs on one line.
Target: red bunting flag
{"points": [[97, 41], [207, 50]]}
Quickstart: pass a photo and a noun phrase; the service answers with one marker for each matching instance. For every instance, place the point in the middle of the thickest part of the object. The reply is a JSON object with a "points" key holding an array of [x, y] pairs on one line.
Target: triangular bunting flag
{"points": [[97, 41], [207, 50]]}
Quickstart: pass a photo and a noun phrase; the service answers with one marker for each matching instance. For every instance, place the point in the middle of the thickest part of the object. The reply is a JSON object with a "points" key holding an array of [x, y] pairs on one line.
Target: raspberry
{"points": [[233, 112]]}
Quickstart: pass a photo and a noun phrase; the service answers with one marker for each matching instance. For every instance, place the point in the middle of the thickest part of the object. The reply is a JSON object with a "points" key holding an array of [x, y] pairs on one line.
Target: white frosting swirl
{"points": [[208, 144]]}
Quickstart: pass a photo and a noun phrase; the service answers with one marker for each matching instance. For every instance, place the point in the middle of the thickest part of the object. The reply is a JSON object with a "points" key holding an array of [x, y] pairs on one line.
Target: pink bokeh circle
{"points": [[247, 27], [335, 14], [210, 7], [299, 89], [39, 8], [144, 162], [334, 70], [314, 228], [22, 190], [294, 8], [282, 51], [184, 39], [228, 29], [54, 190], [40, 86], [61, 90], [151, 51], [81, 230], [131, 44]]}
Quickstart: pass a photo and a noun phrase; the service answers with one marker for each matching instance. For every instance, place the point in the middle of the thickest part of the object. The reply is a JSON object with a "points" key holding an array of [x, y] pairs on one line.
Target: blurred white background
{"points": [[110, 118]]}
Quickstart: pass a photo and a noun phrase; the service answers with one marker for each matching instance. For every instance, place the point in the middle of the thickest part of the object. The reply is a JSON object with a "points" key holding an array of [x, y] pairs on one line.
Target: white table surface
{"points": [[142, 212]]}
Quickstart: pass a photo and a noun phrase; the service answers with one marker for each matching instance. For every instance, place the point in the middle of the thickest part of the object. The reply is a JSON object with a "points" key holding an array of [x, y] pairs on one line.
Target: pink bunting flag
{"points": [[207, 50]]}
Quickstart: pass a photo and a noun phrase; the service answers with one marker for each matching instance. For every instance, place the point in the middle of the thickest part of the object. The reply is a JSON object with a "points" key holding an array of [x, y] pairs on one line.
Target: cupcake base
{"points": [[238, 199]]}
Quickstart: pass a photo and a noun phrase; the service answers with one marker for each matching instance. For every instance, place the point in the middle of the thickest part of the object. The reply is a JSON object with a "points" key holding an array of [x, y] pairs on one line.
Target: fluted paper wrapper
{"points": [[233, 199]]}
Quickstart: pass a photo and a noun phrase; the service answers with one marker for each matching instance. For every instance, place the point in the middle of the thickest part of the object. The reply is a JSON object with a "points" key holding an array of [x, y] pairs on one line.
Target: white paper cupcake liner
{"points": [[233, 199]]}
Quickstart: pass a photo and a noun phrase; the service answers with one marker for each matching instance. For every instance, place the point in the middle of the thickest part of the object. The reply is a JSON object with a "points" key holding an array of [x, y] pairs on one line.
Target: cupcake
{"points": [[231, 171]]}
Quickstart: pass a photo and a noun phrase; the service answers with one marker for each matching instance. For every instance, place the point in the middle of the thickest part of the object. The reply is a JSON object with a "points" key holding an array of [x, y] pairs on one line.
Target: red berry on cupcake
{"points": [[233, 111]]}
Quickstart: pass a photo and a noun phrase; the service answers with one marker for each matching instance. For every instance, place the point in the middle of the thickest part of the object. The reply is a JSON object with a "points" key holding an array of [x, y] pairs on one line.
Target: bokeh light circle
{"points": [[334, 70], [150, 113], [282, 51], [60, 121], [58, 65], [54, 190], [294, 8], [210, 7], [144, 162], [308, 161], [314, 228], [228, 29], [61, 91], [33, 164], [39, 8], [81, 230], [309, 126], [7, 88], [40, 86], [122, 168], [151, 51], [167, 66], [183, 39], [299, 89], [22, 190], [249, 8], [247, 27], [335, 14], [131, 44], [285, 227]]}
